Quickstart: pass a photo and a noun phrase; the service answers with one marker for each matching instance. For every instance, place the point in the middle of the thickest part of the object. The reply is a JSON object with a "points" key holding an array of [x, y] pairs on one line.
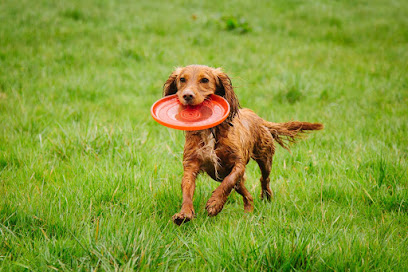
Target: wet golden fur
{"points": [[224, 151]]}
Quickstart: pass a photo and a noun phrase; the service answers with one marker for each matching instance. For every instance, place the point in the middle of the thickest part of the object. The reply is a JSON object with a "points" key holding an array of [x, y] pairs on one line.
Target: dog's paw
{"points": [[181, 217], [214, 206], [249, 207], [267, 194]]}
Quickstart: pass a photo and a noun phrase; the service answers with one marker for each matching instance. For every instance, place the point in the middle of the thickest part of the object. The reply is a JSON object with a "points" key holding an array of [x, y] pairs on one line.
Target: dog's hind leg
{"points": [[263, 155], [220, 195], [265, 165], [246, 196]]}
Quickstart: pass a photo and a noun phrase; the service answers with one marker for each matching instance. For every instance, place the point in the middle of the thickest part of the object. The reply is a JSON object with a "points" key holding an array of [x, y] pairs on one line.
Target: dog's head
{"points": [[194, 83]]}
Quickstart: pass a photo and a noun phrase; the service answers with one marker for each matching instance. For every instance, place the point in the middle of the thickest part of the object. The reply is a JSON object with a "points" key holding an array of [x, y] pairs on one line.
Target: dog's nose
{"points": [[188, 95]]}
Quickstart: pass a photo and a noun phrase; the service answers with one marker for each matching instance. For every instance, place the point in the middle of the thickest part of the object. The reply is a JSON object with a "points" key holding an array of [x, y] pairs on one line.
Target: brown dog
{"points": [[224, 151]]}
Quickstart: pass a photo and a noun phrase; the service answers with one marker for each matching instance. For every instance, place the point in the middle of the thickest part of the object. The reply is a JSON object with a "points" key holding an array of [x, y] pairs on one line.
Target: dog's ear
{"points": [[170, 87], [225, 89]]}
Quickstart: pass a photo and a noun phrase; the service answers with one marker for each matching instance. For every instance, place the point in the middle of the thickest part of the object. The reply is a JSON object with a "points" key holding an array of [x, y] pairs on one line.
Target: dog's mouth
{"points": [[189, 103], [192, 102]]}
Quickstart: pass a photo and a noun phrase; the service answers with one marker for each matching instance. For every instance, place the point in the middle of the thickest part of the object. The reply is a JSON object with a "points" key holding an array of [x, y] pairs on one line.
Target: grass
{"points": [[88, 180]]}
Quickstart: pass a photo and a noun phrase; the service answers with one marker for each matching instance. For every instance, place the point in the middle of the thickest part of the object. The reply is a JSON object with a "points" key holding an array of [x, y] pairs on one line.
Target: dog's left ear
{"points": [[225, 89], [170, 87]]}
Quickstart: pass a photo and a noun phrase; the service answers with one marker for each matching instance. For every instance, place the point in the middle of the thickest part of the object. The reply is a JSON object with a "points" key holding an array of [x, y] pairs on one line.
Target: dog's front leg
{"points": [[220, 195], [191, 170]]}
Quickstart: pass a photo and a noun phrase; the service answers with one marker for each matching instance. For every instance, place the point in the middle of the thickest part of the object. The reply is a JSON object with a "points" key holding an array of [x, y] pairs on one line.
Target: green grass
{"points": [[89, 181]]}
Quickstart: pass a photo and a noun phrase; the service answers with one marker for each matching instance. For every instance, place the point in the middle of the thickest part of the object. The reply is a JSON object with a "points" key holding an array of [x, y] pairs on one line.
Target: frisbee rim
{"points": [[221, 101]]}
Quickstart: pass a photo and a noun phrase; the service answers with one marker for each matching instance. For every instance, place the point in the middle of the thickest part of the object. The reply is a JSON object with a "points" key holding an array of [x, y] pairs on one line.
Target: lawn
{"points": [[89, 181]]}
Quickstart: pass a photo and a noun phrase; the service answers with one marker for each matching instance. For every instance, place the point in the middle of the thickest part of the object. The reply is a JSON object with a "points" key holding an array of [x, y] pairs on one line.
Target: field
{"points": [[89, 181]]}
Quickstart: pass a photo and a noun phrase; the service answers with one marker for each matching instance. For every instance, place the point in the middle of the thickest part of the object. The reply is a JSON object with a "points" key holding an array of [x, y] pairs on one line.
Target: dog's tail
{"points": [[287, 133]]}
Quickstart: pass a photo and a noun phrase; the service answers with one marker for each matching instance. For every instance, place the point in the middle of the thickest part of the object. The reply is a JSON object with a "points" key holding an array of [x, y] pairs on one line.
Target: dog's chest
{"points": [[207, 149], [213, 155]]}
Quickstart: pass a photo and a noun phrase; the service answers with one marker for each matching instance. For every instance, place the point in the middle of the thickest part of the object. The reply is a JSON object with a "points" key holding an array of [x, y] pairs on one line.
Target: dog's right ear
{"points": [[170, 87], [225, 89]]}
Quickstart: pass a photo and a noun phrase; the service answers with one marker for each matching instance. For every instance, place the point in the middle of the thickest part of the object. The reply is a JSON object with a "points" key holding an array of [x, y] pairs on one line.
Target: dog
{"points": [[224, 151]]}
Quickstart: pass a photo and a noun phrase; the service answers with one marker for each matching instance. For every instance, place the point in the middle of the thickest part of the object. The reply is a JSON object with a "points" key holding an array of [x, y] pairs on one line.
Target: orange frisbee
{"points": [[169, 112]]}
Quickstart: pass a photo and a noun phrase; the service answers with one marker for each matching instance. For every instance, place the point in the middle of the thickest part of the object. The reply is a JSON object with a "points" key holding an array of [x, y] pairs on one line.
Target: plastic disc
{"points": [[169, 112]]}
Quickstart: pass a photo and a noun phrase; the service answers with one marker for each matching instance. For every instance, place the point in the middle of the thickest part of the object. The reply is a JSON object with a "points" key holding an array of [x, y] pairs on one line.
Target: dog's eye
{"points": [[182, 79], [204, 80]]}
